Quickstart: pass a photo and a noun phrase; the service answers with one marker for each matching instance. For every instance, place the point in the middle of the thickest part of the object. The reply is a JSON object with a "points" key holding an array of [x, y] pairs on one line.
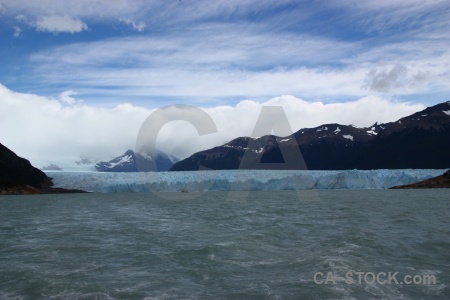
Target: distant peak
{"points": [[129, 152]]}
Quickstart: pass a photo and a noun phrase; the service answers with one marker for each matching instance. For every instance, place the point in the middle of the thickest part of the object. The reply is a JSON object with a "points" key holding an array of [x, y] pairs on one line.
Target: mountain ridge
{"points": [[420, 140], [132, 161]]}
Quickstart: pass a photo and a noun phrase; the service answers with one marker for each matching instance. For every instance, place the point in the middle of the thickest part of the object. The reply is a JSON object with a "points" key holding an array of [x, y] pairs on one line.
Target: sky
{"points": [[77, 78]]}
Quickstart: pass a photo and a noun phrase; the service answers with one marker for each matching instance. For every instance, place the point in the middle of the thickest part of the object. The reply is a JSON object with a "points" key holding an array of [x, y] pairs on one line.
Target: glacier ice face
{"points": [[238, 180]]}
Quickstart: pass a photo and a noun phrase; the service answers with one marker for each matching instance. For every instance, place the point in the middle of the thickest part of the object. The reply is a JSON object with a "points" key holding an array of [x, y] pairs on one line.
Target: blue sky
{"points": [[152, 53], [78, 78]]}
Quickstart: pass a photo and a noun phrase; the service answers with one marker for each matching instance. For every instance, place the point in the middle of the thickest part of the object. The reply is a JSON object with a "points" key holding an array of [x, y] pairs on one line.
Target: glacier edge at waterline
{"points": [[198, 181]]}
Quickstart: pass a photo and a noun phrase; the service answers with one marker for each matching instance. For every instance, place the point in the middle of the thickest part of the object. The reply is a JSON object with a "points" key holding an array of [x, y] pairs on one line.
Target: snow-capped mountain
{"points": [[136, 162], [421, 140]]}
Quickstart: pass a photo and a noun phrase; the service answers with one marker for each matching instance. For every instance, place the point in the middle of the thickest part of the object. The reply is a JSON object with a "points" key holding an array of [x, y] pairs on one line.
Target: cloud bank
{"points": [[230, 49], [60, 24], [223, 61], [65, 129]]}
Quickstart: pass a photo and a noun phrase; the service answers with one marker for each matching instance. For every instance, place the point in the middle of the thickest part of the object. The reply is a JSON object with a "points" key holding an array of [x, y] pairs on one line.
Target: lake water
{"points": [[256, 245]]}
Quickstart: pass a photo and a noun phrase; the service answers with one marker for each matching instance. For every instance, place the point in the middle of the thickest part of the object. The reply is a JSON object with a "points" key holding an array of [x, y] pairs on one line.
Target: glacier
{"points": [[238, 180]]}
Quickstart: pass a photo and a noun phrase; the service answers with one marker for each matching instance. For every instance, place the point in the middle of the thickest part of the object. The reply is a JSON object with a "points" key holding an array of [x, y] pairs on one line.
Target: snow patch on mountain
{"points": [[447, 112], [133, 161], [348, 136], [122, 160]]}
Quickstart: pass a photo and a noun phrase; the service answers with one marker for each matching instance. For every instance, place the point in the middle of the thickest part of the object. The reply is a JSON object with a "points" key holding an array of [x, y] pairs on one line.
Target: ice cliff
{"points": [[238, 180]]}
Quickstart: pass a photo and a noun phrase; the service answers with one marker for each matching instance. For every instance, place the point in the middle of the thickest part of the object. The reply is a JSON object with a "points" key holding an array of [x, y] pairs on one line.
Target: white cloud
{"points": [[209, 61], [228, 61], [138, 26], [60, 24], [42, 129], [73, 15], [39, 127], [21, 18], [17, 31], [216, 45], [397, 78], [412, 15], [156, 11], [65, 97], [408, 16], [225, 53], [80, 8]]}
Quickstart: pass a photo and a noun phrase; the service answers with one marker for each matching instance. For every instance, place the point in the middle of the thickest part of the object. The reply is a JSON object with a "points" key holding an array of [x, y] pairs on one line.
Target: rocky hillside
{"points": [[17, 170], [418, 141], [18, 176], [439, 182]]}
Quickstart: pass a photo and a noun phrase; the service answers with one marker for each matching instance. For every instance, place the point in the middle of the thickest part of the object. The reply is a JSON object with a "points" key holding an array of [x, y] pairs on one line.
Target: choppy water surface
{"points": [[259, 245]]}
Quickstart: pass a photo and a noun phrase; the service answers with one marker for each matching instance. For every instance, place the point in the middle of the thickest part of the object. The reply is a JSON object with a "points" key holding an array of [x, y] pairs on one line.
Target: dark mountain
{"points": [[135, 162], [418, 141], [15, 170], [421, 140], [18, 176]]}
